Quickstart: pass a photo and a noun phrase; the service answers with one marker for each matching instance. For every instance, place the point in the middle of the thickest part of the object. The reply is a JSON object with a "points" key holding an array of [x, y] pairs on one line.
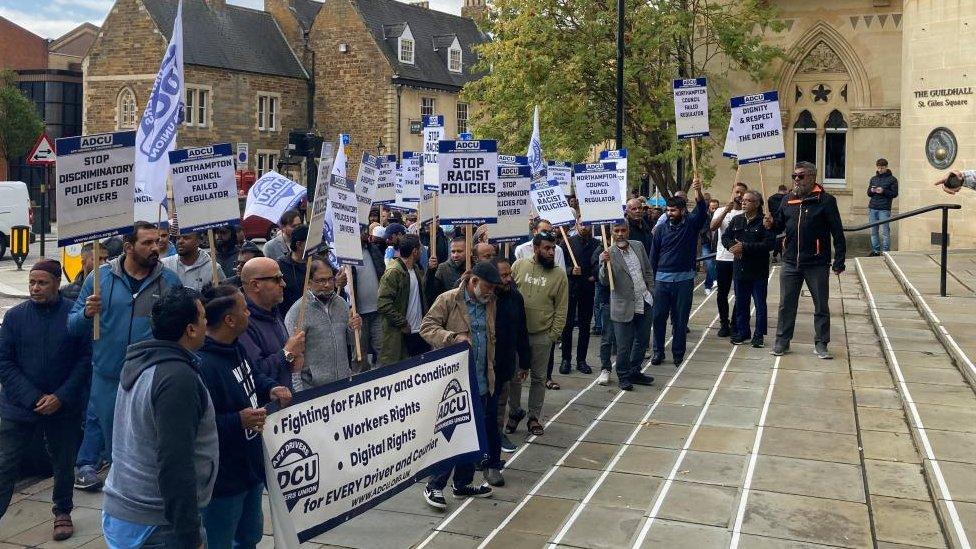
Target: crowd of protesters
{"points": [[194, 343]]}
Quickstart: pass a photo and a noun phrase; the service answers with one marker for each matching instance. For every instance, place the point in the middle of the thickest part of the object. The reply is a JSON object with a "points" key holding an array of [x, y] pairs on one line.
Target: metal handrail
{"points": [[944, 241]]}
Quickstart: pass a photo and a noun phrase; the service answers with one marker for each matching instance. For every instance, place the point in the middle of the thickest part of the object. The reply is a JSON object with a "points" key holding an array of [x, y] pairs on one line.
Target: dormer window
{"points": [[406, 46], [454, 56]]}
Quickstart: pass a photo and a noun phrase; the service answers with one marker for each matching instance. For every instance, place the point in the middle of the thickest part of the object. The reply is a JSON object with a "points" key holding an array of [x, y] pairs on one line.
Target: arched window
{"points": [[805, 138], [835, 149], [126, 110]]}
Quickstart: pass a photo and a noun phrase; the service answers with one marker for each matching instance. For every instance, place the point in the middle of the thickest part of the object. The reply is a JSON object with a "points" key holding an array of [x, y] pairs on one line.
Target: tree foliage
{"points": [[19, 123], [561, 55]]}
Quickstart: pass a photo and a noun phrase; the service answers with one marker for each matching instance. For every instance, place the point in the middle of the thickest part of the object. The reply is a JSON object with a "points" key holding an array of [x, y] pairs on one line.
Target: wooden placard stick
{"points": [[694, 158], [562, 230], [606, 248], [467, 247], [762, 183], [352, 303], [213, 257], [433, 226], [96, 289], [301, 307]]}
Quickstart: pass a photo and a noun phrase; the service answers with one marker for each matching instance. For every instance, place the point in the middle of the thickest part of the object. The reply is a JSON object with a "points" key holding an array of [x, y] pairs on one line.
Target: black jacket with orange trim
{"points": [[810, 223]]}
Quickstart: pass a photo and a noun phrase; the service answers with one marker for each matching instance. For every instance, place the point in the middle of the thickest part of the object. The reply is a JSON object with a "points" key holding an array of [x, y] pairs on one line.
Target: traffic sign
{"points": [[42, 153], [242, 156]]}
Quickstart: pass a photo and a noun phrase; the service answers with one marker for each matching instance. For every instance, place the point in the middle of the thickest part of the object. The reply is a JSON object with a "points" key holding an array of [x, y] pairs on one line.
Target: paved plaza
{"points": [[737, 448]]}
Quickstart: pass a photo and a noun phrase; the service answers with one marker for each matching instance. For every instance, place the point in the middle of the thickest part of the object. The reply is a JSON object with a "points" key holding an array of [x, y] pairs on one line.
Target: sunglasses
{"points": [[798, 176], [278, 278]]}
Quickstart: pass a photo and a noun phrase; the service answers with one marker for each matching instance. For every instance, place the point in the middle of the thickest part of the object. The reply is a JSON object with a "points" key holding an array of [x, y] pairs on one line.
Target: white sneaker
{"points": [[708, 291], [604, 377]]}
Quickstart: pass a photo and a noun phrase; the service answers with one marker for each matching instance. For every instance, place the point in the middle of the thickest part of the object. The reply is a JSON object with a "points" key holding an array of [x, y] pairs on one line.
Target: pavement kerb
{"points": [[939, 491], [963, 363]]}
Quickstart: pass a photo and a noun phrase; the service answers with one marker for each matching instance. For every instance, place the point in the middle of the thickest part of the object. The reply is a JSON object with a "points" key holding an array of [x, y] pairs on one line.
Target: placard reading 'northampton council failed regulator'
{"points": [[204, 187]]}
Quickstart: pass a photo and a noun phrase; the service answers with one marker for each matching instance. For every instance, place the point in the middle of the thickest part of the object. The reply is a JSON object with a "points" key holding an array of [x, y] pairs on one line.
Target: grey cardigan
{"points": [[622, 296]]}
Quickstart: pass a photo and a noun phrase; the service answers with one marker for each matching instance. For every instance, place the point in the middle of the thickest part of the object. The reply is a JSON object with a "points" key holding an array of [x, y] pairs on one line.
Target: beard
{"points": [[622, 244], [547, 262], [324, 297], [149, 261]]}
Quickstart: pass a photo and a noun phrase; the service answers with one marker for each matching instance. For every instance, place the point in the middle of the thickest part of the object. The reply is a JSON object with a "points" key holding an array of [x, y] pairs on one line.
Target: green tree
{"points": [[561, 55], [19, 123]]}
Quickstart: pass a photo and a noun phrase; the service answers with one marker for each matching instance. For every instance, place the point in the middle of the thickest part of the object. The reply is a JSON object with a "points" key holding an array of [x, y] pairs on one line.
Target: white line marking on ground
{"points": [[740, 515], [558, 463], [913, 409], [447, 520]]}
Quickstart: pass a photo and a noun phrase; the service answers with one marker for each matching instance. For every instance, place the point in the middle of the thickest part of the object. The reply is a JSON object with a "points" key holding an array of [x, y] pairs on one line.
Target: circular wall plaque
{"points": [[941, 148]]}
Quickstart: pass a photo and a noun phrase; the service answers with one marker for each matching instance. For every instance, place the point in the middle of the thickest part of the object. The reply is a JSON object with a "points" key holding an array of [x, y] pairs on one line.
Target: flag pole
{"points": [[96, 289]]}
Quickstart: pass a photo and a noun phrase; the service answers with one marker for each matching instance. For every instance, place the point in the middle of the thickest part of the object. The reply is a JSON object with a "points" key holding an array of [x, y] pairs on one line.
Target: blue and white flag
{"points": [[160, 123], [338, 171], [271, 195], [339, 165], [534, 154]]}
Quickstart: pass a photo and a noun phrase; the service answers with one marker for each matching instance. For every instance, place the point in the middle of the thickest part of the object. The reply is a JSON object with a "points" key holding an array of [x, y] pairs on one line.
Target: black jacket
{"points": [[583, 251], [757, 241], [511, 336], [889, 186], [641, 231], [241, 463], [810, 224], [294, 274], [773, 203]]}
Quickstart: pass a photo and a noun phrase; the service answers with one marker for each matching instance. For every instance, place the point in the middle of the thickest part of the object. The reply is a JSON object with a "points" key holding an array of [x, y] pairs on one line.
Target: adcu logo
{"points": [[296, 470], [454, 409]]}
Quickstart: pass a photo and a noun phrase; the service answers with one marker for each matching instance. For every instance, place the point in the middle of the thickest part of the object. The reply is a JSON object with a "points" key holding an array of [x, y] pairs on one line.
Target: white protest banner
{"points": [[512, 160], [598, 193], [757, 127], [343, 448], [204, 187], [271, 195], [386, 182], [427, 206], [563, 173], [468, 172], [342, 224], [317, 238], [620, 158], [514, 209], [729, 149], [433, 134], [409, 186], [95, 186], [369, 173], [550, 202], [690, 107]]}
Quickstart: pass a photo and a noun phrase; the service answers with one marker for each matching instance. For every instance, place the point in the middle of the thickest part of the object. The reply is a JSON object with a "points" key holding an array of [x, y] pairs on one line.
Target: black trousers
{"points": [[723, 272], [579, 314], [791, 281], [62, 434], [415, 344]]}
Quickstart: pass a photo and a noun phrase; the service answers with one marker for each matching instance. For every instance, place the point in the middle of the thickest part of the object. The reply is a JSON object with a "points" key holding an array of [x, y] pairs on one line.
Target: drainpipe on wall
{"points": [[399, 90]]}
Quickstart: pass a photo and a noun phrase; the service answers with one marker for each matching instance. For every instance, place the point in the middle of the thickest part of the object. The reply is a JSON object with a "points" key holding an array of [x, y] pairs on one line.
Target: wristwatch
{"points": [[290, 357]]}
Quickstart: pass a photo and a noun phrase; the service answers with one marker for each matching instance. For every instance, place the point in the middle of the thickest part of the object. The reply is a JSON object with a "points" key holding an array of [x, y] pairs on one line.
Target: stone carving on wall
{"points": [[876, 119], [822, 59]]}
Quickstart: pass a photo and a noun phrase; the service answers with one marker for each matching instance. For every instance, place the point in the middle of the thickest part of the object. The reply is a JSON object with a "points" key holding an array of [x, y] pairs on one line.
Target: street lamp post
{"points": [[620, 74]]}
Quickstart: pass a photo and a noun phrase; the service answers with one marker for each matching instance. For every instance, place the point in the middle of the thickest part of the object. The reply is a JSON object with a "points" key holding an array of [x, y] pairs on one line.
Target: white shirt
{"points": [[721, 254], [414, 309], [525, 251], [641, 295]]}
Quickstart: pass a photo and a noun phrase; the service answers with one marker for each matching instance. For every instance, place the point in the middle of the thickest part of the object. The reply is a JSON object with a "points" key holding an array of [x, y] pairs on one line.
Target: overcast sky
{"points": [[53, 18]]}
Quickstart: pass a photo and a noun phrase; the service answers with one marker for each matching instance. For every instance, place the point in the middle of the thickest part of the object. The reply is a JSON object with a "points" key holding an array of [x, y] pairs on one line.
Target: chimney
{"points": [[422, 4], [474, 9]]}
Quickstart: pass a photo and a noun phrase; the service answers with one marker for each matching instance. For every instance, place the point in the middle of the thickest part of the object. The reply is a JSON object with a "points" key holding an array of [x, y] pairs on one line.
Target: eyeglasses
{"points": [[798, 176], [278, 278], [547, 235], [329, 280]]}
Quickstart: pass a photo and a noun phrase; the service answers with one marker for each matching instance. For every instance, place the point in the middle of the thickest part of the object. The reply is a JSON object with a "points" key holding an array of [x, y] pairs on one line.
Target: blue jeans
{"points": [[710, 275], [744, 289], [235, 521], [632, 338], [599, 297], [672, 299], [885, 240], [90, 452]]}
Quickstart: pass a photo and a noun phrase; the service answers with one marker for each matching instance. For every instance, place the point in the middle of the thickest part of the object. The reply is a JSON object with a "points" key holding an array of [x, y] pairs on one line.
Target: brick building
{"points": [[368, 68]]}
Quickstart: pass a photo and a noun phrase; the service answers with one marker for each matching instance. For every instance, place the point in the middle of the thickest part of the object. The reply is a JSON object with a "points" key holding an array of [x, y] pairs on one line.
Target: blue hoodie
{"points": [[125, 315], [675, 245]]}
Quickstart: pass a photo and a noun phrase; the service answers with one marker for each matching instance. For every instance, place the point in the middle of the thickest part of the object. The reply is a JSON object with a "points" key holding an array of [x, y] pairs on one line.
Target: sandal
{"points": [[552, 385], [534, 427], [63, 527], [514, 418]]}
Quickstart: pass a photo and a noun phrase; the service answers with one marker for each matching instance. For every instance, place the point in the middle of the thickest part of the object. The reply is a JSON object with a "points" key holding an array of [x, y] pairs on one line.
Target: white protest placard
{"points": [[317, 239], [369, 173], [409, 186], [95, 186], [690, 107], [513, 204], [468, 172], [204, 187], [342, 226], [427, 206], [550, 202], [386, 182], [433, 134], [619, 157], [271, 195], [598, 193], [563, 173], [729, 149], [512, 160], [757, 127], [343, 448]]}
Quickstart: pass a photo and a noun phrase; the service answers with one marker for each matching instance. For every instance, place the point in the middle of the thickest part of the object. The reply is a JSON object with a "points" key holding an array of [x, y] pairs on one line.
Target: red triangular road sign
{"points": [[42, 153]]}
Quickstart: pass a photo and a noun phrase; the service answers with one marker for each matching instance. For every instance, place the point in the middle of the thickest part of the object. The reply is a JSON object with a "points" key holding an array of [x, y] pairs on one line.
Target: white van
{"points": [[15, 209]]}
